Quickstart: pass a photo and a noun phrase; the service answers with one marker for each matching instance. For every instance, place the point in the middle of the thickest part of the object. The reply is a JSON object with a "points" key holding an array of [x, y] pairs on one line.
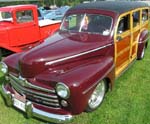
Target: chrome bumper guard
{"points": [[31, 111]]}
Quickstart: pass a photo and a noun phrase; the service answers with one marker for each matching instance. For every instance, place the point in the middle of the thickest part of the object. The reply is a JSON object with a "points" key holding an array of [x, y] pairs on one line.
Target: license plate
{"points": [[18, 104]]}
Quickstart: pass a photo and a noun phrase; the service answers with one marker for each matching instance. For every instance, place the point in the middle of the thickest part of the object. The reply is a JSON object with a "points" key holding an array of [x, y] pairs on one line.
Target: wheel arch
{"points": [[84, 80], [142, 42]]}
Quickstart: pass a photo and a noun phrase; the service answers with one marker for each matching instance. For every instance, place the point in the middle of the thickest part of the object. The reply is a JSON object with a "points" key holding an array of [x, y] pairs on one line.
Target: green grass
{"points": [[127, 103]]}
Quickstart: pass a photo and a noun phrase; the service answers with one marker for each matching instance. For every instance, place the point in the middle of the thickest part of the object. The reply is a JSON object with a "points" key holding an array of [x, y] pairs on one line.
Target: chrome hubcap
{"points": [[97, 96]]}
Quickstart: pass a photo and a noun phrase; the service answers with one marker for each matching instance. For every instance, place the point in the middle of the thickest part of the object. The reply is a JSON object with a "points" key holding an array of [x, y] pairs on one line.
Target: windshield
{"points": [[91, 23], [5, 16]]}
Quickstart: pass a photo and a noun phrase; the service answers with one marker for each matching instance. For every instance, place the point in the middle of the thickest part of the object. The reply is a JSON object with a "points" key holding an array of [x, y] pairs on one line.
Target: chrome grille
{"points": [[34, 93]]}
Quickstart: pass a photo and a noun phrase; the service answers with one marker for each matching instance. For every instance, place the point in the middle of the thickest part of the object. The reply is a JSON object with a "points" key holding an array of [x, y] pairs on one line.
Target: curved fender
{"points": [[14, 60], [143, 38], [83, 79]]}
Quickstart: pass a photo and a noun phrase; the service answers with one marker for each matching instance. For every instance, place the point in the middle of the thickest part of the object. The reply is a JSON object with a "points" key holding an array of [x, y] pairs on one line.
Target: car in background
{"points": [[63, 9], [42, 12], [56, 14], [53, 15]]}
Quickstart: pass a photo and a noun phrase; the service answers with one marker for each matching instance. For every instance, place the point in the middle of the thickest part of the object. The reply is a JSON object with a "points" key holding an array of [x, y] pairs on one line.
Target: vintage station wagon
{"points": [[72, 70]]}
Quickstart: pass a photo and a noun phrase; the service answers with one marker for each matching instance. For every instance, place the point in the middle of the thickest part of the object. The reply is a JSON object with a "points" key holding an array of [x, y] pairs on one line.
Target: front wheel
{"points": [[97, 96]]}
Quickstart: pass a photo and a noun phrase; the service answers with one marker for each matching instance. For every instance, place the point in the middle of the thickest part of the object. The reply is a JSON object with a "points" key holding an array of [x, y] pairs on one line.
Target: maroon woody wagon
{"points": [[72, 70]]}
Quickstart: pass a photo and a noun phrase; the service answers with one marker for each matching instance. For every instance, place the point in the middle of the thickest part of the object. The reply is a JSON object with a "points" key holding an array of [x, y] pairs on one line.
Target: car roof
{"points": [[14, 7], [115, 6]]}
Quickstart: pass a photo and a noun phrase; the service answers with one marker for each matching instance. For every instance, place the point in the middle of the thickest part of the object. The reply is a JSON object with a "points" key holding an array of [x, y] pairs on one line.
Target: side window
{"points": [[6, 16], [144, 15], [124, 24], [24, 16], [136, 18], [72, 22]]}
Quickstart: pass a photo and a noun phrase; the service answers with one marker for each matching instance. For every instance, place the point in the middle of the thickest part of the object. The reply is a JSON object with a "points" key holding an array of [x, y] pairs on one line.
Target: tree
{"points": [[59, 3], [44, 2]]}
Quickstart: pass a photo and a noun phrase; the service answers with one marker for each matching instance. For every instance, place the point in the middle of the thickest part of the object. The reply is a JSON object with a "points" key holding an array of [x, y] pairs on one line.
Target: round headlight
{"points": [[3, 68], [62, 90]]}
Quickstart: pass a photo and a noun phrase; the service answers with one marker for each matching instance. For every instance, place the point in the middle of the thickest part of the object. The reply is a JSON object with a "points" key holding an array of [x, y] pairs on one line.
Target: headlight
{"points": [[3, 68], [62, 90]]}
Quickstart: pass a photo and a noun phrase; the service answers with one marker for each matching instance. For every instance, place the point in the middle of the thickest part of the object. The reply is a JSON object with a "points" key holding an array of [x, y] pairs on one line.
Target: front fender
{"points": [[83, 80]]}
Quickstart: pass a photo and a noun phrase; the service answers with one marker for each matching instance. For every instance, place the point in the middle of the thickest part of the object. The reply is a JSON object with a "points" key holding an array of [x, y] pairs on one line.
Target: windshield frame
{"points": [[107, 33]]}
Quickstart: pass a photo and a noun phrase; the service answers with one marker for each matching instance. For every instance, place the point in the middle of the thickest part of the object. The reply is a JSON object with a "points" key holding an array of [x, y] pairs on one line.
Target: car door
{"points": [[122, 43], [26, 30]]}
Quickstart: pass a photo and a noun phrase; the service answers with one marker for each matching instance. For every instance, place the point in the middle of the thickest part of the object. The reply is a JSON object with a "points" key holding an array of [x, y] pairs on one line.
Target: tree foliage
{"points": [[43, 2]]}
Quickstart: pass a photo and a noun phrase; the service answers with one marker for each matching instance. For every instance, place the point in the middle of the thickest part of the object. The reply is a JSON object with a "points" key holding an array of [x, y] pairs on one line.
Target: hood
{"points": [[59, 49]]}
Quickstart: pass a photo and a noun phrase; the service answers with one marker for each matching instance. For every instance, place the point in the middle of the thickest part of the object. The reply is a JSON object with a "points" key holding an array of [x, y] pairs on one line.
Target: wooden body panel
{"points": [[126, 47]]}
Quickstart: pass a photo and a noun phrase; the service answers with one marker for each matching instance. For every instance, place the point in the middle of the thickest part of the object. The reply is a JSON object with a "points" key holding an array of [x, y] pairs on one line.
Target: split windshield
{"points": [[5, 16], [91, 23]]}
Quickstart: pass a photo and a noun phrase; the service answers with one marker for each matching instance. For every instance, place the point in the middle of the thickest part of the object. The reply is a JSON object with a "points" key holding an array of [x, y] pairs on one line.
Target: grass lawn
{"points": [[127, 103]]}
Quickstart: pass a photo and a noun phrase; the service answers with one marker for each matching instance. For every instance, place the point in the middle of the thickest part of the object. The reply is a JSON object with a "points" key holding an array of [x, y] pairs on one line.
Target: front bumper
{"points": [[31, 111]]}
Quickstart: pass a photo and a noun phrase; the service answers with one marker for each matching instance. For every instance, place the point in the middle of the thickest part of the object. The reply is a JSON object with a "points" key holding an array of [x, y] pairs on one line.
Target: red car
{"points": [[21, 30], [72, 70]]}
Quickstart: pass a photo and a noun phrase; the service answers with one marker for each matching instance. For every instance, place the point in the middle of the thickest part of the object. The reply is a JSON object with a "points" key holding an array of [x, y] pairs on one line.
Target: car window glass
{"points": [[144, 15], [5, 16], [24, 16], [136, 18], [72, 22], [124, 24]]}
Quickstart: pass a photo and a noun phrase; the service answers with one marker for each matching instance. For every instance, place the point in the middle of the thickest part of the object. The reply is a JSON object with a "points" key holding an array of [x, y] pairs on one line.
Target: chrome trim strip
{"points": [[4, 90], [74, 56], [23, 90], [25, 83], [32, 111], [51, 107], [46, 99], [52, 117], [50, 102]]}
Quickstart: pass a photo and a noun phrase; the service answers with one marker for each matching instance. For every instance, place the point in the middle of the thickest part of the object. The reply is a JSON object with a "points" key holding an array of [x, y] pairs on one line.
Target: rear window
{"points": [[144, 15], [24, 16]]}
